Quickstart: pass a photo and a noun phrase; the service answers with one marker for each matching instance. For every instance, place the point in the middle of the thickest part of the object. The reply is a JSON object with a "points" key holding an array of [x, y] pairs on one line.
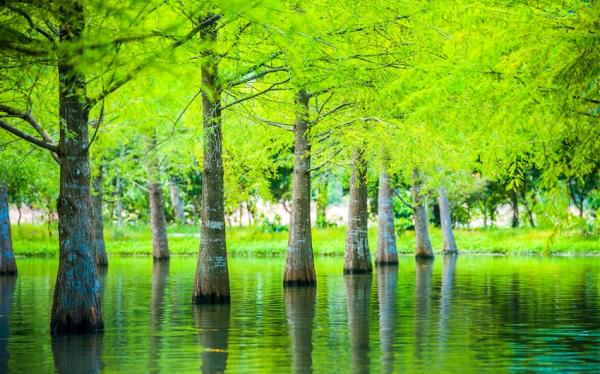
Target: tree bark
{"points": [[176, 201], [358, 293], [423, 243], [299, 263], [8, 264], [212, 321], [99, 245], [76, 307], [158, 221], [357, 258], [386, 233], [212, 276], [300, 312], [386, 290], [446, 222]]}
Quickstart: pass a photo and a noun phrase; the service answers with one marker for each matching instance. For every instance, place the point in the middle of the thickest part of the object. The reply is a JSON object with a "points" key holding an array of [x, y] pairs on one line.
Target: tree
{"points": [[386, 233], [8, 264], [446, 221], [423, 243]]}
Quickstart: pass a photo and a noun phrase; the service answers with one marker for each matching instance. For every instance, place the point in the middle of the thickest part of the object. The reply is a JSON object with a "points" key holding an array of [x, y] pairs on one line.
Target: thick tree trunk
{"points": [[99, 245], [300, 312], [386, 289], [176, 201], [358, 293], [212, 276], [446, 222], [158, 221], [76, 307], [514, 202], [386, 233], [357, 258], [7, 289], [299, 263], [212, 321], [423, 243], [8, 264]]}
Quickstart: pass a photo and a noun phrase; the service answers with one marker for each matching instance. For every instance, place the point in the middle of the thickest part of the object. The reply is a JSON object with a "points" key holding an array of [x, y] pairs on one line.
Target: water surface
{"points": [[473, 314]]}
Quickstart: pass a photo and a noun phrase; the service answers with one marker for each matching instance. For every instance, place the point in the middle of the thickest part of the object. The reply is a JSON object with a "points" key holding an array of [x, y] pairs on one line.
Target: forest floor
{"points": [[37, 240]]}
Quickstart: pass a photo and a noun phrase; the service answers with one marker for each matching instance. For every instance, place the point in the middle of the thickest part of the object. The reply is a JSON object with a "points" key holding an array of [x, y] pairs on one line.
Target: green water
{"points": [[474, 314]]}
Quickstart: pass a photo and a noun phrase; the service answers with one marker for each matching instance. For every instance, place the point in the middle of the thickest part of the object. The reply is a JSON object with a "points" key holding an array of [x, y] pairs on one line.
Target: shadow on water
{"points": [[358, 291], [423, 274], [446, 296], [387, 277], [7, 289], [160, 273], [300, 313], [213, 323], [77, 353]]}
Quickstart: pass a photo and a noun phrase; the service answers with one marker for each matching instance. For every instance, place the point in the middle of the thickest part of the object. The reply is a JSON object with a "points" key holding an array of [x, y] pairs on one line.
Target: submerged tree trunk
{"points": [[212, 276], [446, 222], [423, 243], [98, 232], [158, 221], [176, 201], [386, 233], [514, 202], [76, 307], [386, 293], [8, 265], [300, 312], [358, 293], [357, 258], [299, 263]]}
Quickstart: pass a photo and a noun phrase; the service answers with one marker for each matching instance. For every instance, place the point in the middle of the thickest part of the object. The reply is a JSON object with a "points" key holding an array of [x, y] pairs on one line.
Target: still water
{"points": [[467, 314]]}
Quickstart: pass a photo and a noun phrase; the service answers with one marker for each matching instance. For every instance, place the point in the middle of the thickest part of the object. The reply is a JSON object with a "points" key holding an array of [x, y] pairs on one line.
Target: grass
{"points": [[36, 240]]}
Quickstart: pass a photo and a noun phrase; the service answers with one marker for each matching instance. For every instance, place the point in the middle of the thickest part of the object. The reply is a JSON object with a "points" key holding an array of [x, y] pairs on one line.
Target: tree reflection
{"points": [[423, 269], [446, 297], [213, 322], [358, 290], [300, 313], [160, 273], [7, 289], [386, 290], [77, 353]]}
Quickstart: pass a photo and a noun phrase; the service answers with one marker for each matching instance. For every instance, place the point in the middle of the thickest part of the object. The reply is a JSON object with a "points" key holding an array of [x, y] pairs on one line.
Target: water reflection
{"points": [[7, 289], [358, 291], [424, 270], [77, 353], [300, 313], [213, 322], [386, 290], [160, 273], [446, 296]]}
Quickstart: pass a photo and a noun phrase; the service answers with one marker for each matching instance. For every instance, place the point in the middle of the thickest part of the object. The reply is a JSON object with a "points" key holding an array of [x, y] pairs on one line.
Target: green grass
{"points": [[32, 240]]}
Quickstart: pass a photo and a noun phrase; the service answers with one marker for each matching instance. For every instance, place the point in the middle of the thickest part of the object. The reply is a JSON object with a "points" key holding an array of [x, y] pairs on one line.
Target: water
{"points": [[471, 314]]}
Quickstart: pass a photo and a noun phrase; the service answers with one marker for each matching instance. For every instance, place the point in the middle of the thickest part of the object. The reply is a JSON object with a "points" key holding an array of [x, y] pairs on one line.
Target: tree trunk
{"points": [[300, 312], [446, 222], [514, 201], [299, 264], [76, 307], [99, 245], [386, 289], [423, 243], [8, 265], [322, 200], [358, 293], [357, 258], [176, 201], [386, 233], [212, 321], [158, 221], [212, 276]]}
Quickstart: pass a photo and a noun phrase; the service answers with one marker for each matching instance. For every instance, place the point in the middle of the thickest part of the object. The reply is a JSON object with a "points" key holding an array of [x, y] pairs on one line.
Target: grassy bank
{"points": [[31, 240]]}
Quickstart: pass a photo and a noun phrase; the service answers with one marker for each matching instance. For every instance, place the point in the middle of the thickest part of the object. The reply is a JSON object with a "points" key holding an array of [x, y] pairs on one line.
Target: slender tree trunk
{"points": [[213, 323], [423, 243], [386, 233], [358, 258], [8, 265], [300, 312], [322, 200], [446, 222], [158, 221], [7, 289], [358, 292], [299, 264], [386, 291], [514, 200], [212, 276], [176, 201], [99, 245], [76, 307]]}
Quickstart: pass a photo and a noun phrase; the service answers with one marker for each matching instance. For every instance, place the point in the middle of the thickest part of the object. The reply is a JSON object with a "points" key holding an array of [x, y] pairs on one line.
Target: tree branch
{"points": [[404, 201], [27, 137], [256, 94]]}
